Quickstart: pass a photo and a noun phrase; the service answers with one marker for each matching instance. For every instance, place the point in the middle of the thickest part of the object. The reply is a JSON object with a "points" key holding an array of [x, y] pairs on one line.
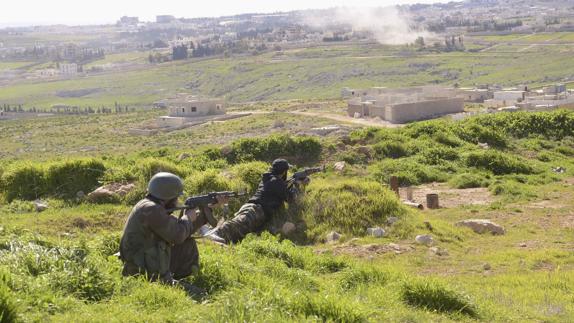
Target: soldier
{"points": [[272, 193], [155, 243]]}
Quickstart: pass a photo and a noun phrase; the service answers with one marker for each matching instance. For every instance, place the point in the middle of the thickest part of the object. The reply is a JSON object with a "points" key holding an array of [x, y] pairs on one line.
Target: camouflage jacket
{"points": [[149, 234]]}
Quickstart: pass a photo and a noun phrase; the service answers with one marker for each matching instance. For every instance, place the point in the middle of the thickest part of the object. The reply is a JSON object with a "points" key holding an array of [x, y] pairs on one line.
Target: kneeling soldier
{"points": [[155, 243]]}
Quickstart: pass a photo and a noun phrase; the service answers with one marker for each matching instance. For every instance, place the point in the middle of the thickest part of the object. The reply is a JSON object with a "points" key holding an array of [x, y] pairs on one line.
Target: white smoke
{"points": [[387, 24]]}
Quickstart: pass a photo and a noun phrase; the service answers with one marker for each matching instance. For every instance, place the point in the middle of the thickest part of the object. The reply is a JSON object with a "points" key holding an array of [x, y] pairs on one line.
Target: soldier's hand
{"points": [[192, 214], [221, 201]]}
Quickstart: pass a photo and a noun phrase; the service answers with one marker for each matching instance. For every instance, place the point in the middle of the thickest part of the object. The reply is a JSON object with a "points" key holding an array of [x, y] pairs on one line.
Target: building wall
{"points": [[196, 108], [509, 95], [406, 112]]}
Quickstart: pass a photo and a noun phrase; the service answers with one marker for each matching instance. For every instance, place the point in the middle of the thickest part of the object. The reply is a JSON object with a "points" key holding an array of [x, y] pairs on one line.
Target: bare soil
{"points": [[449, 197]]}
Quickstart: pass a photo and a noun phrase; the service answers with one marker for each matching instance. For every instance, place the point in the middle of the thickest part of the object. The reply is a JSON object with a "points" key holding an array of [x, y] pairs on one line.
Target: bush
{"points": [[210, 181], [348, 206], [407, 170], [8, 310], [390, 149], [497, 162], [437, 155], [296, 149], [146, 168], [250, 173], [65, 179], [435, 297], [565, 150], [475, 133], [469, 180], [23, 181]]}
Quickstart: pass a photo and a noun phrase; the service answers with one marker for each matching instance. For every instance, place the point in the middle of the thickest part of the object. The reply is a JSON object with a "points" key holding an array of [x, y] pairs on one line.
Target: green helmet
{"points": [[165, 186]]}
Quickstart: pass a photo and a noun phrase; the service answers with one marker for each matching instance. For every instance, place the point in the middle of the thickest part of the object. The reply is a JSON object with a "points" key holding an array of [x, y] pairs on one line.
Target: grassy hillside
{"points": [[58, 265], [311, 73]]}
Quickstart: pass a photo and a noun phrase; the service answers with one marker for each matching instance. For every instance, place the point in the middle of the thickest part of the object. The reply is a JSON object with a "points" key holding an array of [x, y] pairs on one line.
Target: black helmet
{"points": [[165, 186], [279, 166]]}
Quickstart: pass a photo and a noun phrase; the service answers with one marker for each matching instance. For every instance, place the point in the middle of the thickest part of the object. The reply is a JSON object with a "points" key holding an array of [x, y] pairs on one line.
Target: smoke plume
{"points": [[387, 24]]}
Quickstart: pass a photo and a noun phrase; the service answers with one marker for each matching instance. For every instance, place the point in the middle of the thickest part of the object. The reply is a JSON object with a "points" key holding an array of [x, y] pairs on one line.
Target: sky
{"points": [[83, 12]]}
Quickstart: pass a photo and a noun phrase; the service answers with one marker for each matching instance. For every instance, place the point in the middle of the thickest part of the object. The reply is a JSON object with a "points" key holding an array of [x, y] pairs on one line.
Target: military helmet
{"points": [[279, 166], [165, 186]]}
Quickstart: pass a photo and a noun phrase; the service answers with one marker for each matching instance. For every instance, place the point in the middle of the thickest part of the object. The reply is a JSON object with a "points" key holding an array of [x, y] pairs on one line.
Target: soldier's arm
{"points": [[169, 228]]}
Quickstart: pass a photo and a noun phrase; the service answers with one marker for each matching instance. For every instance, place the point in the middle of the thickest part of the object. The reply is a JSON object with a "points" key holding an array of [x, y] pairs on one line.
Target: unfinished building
{"points": [[403, 105]]}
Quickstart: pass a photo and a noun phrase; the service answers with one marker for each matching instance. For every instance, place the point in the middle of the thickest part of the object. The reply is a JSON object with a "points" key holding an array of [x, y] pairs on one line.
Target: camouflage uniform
{"points": [[271, 195], [156, 243], [249, 218]]}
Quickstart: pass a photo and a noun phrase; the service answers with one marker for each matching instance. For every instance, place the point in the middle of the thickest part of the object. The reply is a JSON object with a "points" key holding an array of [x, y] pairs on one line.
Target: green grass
{"points": [[313, 73]]}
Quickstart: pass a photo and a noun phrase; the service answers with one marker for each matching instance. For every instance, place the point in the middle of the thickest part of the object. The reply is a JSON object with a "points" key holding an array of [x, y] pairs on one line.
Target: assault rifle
{"points": [[301, 175], [204, 200]]}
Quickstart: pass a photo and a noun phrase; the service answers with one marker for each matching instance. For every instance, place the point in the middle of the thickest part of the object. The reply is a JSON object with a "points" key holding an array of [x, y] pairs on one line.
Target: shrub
{"points": [[408, 171], [326, 309], [565, 150], [23, 181], [348, 206], [354, 277], [469, 180], [250, 173], [497, 162], [146, 168], [297, 149], [8, 311], [435, 297], [65, 179], [209, 181], [390, 149], [447, 138], [475, 133], [437, 155]]}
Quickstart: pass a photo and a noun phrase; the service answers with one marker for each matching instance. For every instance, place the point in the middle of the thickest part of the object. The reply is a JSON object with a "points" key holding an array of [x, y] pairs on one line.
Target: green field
{"points": [[313, 73], [58, 265]]}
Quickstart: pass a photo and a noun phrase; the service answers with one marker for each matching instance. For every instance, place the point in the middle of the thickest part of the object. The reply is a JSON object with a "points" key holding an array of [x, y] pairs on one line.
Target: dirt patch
{"points": [[368, 250], [569, 181], [450, 197], [546, 204]]}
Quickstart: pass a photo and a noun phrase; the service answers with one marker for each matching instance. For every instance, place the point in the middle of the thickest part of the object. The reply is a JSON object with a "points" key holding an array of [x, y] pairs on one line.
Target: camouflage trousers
{"points": [[249, 218], [184, 261]]}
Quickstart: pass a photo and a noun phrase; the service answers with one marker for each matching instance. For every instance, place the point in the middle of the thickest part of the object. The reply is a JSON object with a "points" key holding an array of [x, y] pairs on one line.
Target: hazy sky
{"points": [[24, 12]]}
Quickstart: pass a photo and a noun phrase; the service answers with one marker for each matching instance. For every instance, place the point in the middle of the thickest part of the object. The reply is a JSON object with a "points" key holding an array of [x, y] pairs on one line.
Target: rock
{"points": [[481, 226], [376, 232], [288, 228], [40, 205], [183, 156], [333, 236], [486, 266], [80, 194], [340, 166], [425, 239], [392, 220], [394, 246], [523, 245], [438, 251], [559, 170], [483, 145], [110, 192]]}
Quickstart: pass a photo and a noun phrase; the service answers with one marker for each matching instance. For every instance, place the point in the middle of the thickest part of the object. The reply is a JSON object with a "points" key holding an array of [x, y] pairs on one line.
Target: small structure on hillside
{"points": [[403, 105], [188, 108]]}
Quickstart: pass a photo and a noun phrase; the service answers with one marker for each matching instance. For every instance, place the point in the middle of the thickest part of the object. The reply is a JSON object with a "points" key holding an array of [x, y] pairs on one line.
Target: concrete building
{"points": [[404, 104], [68, 69], [186, 108], [164, 19], [474, 95]]}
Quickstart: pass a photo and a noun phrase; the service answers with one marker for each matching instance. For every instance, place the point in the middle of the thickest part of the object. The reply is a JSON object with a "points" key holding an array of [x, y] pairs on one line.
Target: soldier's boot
{"points": [[213, 236]]}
